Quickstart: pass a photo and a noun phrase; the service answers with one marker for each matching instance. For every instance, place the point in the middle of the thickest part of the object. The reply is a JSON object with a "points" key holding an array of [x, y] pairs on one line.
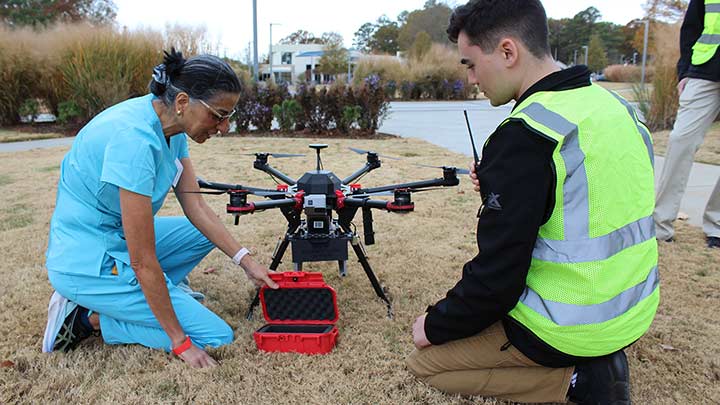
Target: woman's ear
{"points": [[182, 101]]}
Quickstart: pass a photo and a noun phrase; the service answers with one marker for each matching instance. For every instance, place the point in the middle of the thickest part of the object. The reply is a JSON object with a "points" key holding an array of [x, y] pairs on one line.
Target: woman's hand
{"points": [[682, 84], [197, 358], [257, 273]]}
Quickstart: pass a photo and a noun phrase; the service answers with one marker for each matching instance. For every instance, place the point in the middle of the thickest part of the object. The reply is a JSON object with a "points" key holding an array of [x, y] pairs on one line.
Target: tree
{"points": [[665, 10], [385, 39], [44, 12], [301, 37], [363, 36], [331, 38], [431, 19], [597, 59], [334, 59], [421, 45]]}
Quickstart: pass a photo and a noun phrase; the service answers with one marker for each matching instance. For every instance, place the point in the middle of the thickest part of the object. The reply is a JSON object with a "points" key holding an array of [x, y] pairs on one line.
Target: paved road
{"points": [[443, 123]]}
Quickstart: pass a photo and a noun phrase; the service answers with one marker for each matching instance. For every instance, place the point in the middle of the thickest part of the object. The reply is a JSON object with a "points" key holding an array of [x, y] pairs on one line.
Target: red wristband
{"points": [[183, 347]]}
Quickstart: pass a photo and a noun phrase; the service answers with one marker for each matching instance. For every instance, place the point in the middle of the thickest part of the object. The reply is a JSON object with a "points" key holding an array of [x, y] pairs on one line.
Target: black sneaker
{"points": [[604, 380], [713, 242], [65, 330]]}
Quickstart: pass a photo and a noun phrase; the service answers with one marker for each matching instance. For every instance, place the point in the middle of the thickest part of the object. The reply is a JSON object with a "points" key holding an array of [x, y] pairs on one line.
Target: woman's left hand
{"points": [[257, 273]]}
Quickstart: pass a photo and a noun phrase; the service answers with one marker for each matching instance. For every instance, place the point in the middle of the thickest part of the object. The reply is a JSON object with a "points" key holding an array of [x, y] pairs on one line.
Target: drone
{"points": [[319, 208]]}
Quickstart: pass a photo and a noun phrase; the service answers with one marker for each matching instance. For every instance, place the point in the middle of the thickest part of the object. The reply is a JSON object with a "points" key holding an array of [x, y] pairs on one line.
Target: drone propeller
{"points": [[259, 193], [363, 152], [275, 155], [457, 170]]}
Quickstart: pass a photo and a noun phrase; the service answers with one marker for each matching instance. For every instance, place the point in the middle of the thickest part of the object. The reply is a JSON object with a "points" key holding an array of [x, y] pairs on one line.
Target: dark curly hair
{"points": [[485, 22], [201, 77]]}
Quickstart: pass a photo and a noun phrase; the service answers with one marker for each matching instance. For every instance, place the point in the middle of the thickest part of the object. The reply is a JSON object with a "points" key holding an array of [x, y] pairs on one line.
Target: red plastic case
{"points": [[301, 315]]}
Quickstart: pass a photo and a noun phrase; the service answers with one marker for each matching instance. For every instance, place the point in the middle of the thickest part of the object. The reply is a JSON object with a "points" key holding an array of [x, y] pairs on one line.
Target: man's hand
{"points": [[257, 273], [473, 177], [419, 337], [197, 358], [682, 84]]}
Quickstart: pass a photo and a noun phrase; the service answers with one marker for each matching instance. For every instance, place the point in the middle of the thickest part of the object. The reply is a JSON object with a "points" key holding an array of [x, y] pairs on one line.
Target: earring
{"points": [[179, 112]]}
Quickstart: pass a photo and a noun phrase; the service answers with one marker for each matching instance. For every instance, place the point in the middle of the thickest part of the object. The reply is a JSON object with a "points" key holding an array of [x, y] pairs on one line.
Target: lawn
{"points": [[417, 256], [18, 136], [709, 151]]}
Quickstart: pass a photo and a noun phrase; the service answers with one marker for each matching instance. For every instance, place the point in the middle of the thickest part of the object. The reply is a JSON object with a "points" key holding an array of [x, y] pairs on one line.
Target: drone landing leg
{"points": [[277, 258], [357, 247]]}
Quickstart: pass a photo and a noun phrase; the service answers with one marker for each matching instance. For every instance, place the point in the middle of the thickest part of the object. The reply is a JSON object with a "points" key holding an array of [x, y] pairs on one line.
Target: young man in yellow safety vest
{"points": [[566, 276]]}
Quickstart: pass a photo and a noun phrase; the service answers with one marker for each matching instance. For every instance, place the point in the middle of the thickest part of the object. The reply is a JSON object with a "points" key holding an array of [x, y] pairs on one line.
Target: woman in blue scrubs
{"points": [[115, 266]]}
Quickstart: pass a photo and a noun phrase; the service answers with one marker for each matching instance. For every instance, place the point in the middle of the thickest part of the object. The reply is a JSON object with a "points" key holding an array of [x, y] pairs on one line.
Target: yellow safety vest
{"points": [[706, 46], [593, 283]]}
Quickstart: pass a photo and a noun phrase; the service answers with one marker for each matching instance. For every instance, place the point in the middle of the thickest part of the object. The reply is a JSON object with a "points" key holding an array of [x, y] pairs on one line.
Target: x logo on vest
{"points": [[493, 202]]}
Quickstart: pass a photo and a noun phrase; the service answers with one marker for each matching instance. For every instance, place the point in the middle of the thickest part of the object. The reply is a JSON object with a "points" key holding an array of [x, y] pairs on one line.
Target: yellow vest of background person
{"points": [[706, 46], [593, 285]]}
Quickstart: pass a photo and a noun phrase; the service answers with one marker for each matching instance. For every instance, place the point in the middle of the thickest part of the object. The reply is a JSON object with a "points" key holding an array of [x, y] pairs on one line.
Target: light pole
{"points": [[585, 47], [270, 57], [256, 72], [645, 46]]}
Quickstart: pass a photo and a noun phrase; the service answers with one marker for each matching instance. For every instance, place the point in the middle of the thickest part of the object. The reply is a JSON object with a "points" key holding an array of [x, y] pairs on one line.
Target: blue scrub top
{"points": [[123, 146]]}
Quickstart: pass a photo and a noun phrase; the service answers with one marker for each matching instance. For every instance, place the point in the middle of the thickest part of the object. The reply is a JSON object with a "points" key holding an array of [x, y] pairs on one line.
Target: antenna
{"points": [[472, 141], [317, 147]]}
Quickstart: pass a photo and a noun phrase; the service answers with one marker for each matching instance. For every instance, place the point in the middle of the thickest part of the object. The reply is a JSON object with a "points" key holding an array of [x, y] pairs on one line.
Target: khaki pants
{"points": [[477, 366], [699, 106]]}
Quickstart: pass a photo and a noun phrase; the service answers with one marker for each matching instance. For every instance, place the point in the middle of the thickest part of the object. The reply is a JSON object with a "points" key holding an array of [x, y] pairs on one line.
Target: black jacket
{"points": [[692, 28], [517, 183]]}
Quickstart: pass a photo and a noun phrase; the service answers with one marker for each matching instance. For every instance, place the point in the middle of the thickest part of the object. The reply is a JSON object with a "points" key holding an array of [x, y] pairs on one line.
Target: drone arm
{"points": [[282, 203], [446, 181], [366, 203], [369, 166], [274, 172]]}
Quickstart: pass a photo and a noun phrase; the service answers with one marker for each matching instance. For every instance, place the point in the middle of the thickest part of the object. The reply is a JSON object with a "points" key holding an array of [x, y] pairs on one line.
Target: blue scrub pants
{"points": [[125, 316]]}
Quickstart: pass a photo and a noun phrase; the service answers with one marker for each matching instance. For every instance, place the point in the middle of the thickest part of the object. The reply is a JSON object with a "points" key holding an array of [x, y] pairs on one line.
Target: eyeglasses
{"points": [[218, 117]]}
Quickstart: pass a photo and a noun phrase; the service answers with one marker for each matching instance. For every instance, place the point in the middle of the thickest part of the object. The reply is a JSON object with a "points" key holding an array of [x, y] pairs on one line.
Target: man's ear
{"points": [[182, 100], [509, 49]]}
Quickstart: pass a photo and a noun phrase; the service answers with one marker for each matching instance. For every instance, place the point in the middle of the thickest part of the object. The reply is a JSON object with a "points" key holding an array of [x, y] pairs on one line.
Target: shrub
{"points": [[627, 73], [350, 114], [286, 114], [261, 109], [386, 67], [69, 112], [29, 108], [373, 103], [664, 98]]}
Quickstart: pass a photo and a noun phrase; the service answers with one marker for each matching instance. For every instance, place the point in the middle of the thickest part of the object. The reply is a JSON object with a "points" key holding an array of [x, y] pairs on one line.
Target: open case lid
{"points": [[301, 299]]}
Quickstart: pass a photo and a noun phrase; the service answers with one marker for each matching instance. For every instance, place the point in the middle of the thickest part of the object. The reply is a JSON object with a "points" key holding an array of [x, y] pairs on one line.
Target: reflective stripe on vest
{"points": [[707, 45], [570, 315], [645, 134]]}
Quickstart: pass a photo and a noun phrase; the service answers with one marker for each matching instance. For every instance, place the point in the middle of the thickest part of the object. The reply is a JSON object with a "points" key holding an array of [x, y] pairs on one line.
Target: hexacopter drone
{"points": [[309, 202]]}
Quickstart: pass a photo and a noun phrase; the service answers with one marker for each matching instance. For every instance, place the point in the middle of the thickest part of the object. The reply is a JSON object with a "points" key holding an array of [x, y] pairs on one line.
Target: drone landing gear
{"points": [[362, 258]]}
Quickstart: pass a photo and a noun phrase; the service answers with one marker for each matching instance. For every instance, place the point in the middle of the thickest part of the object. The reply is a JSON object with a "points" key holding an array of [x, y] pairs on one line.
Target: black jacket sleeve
{"points": [[692, 28], [517, 184]]}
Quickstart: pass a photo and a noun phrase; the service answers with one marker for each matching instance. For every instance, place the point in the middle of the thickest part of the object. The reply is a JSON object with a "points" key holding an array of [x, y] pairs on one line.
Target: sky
{"points": [[229, 22]]}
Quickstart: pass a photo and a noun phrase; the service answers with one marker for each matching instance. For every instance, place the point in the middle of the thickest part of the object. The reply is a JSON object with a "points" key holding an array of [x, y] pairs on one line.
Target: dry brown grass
{"points": [[709, 151], [418, 256], [16, 136]]}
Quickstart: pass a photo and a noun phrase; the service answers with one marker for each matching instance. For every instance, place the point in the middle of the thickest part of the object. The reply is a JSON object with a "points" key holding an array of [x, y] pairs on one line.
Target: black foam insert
{"points": [[298, 304], [296, 329]]}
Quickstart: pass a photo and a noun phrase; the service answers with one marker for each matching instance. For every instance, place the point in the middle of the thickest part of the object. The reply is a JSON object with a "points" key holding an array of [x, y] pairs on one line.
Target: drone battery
{"points": [[301, 315], [319, 249]]}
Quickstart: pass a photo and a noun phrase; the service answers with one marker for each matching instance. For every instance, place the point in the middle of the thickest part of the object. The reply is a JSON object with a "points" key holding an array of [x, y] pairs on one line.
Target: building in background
{"points": [[300, 62]]}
